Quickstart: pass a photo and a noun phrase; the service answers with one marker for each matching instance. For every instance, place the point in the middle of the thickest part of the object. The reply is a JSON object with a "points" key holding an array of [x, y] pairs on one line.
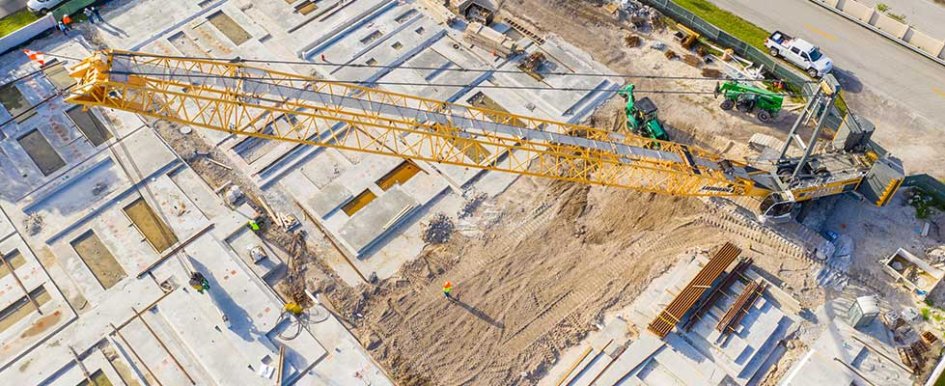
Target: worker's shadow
{"points": [[111, 29], [477, 313], [239, 319]]}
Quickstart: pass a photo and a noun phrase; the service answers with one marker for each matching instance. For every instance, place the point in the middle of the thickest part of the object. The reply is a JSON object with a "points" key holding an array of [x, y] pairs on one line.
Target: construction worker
{"points": [[447, 290], [252, 225], [199, 282], [96, 14], [89, 15]]}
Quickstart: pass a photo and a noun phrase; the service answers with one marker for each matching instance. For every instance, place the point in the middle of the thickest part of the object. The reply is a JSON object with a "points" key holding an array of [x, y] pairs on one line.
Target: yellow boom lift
{"points": [[238, 98]]}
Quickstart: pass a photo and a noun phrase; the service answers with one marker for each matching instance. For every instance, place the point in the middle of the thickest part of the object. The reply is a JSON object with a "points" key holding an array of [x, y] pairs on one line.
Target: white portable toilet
{"points": [[863, 311]]}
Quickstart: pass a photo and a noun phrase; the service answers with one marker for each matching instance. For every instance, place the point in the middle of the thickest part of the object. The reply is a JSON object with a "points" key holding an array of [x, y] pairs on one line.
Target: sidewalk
{"points": [[10, 6]]}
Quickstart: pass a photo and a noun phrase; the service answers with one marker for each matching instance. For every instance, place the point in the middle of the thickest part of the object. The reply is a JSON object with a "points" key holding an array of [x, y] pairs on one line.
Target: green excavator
{"points": [[641, 115], [746, 98]]}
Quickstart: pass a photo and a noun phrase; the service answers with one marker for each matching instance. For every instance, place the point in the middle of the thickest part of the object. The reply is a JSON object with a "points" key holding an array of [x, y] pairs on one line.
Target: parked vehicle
{"points": [[43, 6], [799, 52]]}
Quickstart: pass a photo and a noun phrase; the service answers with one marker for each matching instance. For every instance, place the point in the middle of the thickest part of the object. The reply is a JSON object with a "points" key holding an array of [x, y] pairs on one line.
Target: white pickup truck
{"points": [[800, 52]]}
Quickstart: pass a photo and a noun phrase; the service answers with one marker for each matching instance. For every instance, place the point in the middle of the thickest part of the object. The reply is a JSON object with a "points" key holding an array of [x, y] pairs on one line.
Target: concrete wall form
{"points": [[906, 35], [26, 33]]}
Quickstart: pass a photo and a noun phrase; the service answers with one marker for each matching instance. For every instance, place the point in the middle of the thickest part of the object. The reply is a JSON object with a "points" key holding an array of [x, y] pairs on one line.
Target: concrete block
{"points": [[371, 223], [857, 10], [330, 197], [27, 32], [925, 42], [890, 25]]}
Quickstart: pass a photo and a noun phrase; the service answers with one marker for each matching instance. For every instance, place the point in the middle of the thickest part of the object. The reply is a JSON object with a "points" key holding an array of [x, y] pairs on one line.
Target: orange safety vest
{"points": [[66, 20], [447, 288]]}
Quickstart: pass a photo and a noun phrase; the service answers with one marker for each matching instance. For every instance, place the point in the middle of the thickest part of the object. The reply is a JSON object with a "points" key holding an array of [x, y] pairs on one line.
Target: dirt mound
{"points": [[533, 285]]}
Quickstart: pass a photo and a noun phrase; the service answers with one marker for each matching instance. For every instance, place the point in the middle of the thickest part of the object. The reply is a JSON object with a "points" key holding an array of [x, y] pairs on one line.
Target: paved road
{"points": [[860, 55], [9, 6]]}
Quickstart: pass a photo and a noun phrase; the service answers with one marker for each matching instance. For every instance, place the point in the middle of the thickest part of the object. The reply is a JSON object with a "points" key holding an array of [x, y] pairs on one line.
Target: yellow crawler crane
{"points": [[242, 99]]}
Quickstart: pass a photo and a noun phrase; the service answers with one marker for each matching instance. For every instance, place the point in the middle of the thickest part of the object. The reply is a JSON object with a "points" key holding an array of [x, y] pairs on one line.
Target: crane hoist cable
{"points": [[454, 69]]}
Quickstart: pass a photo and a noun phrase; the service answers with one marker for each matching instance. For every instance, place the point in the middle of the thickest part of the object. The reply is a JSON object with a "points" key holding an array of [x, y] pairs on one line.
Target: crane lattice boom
{"points": [[241, 99]]}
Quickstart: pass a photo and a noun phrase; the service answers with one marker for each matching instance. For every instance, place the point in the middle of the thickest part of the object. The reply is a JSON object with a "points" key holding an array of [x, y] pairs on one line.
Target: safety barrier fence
{"points": [[889, 27]]}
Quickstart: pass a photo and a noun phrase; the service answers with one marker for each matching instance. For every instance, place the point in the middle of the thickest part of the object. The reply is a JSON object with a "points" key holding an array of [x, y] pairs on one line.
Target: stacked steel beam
{"points": [[727, 282], [740, 307], [674, 311]]}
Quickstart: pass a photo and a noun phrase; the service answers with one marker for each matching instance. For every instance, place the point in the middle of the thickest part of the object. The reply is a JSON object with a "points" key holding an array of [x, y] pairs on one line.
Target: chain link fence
{"points": [[71, 8], [723, 38]]}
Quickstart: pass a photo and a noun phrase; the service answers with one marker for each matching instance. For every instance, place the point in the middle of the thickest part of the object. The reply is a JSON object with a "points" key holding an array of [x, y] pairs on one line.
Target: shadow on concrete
{"points": [[849, 81], [111, 29], [239, 319], [477, 313]]}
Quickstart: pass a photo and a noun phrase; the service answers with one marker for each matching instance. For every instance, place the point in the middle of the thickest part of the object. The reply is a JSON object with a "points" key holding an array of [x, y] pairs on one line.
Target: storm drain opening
{"points": [[158, 234], [97, 257], [13, 100], [399, 175], [225, 24], [41, 152], [359, 202], [14, 260], [98, 378], [89, 125], [22, 308]]}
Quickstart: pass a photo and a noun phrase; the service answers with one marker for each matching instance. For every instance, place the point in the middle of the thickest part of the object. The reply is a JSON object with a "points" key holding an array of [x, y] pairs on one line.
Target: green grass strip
{"points": [[728, 22], [15, 21]]}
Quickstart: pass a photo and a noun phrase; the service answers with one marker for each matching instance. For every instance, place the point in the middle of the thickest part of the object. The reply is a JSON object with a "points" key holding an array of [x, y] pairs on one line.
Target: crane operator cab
{"points": [[776, 208]]}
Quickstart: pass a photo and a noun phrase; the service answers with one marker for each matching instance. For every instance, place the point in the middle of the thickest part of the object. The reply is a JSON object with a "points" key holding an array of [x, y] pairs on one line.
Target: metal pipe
{"points": [[20, 283], [149, 306], [135, 353], [797, 123], [160, 342], [813, 137], [85, 371]]}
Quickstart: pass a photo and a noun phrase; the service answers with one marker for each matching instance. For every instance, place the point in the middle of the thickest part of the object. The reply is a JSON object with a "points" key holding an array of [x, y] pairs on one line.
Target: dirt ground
{"points": [[529, 289]]}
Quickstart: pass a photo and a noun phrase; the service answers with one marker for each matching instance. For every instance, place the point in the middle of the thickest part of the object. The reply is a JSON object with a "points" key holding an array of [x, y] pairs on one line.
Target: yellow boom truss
{"points": [[255, 101]]}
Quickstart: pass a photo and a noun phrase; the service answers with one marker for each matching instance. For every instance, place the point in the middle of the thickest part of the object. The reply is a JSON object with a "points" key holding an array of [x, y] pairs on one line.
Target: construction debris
{"points": [[471, 205], [531, 65], [438, 230], [33, 223]]}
